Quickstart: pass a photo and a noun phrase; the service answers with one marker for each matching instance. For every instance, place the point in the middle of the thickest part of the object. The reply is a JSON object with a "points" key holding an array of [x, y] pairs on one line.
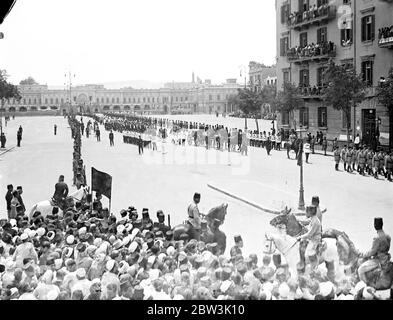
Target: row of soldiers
{"points": [[366, 160], [79, 178]]}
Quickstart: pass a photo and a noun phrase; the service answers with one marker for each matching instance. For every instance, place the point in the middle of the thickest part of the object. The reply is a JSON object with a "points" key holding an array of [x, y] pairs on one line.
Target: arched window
{"points": [[51, 100], [22, 109], [117, 100], [113, 100], [107, 100], [57, 100]]}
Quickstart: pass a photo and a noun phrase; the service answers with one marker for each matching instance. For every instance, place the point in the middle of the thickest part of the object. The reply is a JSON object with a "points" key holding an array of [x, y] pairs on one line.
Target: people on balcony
{"points": [[314, 12], [307, 90], [385, 33], [311, 50]]}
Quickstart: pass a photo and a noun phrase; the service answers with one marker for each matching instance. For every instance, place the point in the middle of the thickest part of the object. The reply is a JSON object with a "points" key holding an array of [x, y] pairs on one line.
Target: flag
{"points": [[101, 182], [300, 157]]}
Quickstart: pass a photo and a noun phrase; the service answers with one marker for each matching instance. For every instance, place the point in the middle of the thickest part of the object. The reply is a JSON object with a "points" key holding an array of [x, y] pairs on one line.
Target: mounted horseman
{"points": [[293, 144]]}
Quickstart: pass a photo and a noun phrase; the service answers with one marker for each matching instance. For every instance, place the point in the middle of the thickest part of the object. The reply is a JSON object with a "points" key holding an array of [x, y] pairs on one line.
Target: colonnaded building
{"points": [[174, 98], [350, 32]]}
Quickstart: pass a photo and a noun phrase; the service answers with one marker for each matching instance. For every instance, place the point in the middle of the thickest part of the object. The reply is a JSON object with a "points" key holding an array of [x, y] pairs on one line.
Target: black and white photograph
{"points": [[196, 150]]}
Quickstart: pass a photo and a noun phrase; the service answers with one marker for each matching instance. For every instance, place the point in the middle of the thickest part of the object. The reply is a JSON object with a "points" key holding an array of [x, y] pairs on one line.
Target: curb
{"points": [[7, 150], [250, 203]]}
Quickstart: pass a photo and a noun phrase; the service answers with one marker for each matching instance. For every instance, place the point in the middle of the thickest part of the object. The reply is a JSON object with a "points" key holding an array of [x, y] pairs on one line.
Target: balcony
{"points": [[311, 93], [386, 38], [316, 16], [312, 53]]}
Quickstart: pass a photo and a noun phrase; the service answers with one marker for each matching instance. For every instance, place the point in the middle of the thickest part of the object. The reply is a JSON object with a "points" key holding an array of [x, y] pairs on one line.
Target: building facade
{"points": [[187, 98], [261, 75], [309, 34]]}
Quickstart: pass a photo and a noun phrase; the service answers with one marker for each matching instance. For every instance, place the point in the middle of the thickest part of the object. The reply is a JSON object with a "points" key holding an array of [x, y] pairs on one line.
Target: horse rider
{"points": [[61, 192], [310, 241], [194, 218], [379, 253]]}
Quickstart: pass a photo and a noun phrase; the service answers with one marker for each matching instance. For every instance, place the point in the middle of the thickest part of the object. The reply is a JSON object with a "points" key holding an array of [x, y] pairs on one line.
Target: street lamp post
{"points": [[243, 69], [300, 162]]}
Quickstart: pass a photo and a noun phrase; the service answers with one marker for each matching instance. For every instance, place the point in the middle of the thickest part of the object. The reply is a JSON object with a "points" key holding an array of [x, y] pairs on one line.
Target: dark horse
{"points": [[295, 146], [214, 219]]}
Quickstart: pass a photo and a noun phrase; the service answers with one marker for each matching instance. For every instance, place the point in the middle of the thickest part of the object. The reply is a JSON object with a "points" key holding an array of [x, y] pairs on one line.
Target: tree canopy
{"points": [[288, 100], [344, 89], [385, 97], [7, 90], [28, 81]]}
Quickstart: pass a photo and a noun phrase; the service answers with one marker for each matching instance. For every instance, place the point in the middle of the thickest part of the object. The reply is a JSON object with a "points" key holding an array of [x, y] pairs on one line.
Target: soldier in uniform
{"points": [[376, 165], [161, 222], [309, 242], [355, 153], [194, 219], [370, 155], [337, 157], [236, 250], [381, 170], [348, 159], [344, 157], [362, 161], [379, 253], [389, 166], [146, 218]]}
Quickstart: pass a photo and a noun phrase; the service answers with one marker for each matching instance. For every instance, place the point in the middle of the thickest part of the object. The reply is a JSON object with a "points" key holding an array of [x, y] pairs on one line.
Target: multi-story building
{"points": [[261, 75], [186, 98], [309, 34]]}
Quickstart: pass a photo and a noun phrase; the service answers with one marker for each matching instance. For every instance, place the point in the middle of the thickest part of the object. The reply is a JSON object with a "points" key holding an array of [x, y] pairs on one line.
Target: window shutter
{"points": [[373, 28], [364, 28], [282, 14], [282, 47]]}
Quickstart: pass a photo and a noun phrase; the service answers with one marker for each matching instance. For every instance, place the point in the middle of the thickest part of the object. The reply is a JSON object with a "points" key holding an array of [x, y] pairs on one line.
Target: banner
{"points": [[101, 182]]}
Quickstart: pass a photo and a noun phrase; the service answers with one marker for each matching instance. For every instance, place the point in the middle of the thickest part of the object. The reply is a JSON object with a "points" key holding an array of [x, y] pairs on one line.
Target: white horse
{"points": [[289, 248], [46, 206]]}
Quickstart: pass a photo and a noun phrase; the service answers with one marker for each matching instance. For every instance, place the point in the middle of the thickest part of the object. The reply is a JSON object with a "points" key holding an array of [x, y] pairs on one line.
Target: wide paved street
{"points": [[145, 181]]}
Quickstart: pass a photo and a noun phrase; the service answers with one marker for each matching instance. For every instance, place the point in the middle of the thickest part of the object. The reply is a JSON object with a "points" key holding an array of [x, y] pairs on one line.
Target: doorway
{"points": [[369, 126]]}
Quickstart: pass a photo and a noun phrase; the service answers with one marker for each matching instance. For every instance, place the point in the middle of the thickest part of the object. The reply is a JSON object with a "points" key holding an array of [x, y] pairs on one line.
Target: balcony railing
{"points": [[313, 52], [324, 13], [308, 92], [386, 37]]}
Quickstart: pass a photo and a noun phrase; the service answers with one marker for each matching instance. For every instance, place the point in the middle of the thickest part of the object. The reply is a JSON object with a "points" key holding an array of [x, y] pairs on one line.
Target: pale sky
{"points": [[154, 40]]}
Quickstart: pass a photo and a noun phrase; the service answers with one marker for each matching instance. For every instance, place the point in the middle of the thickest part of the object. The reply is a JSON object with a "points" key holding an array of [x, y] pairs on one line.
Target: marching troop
{"points": [[365, 161]]}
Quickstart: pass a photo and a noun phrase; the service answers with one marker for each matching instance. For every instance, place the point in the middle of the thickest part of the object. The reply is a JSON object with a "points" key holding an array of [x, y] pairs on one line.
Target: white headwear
{"points": [[151, 259], [133, 246], [52, 295], [225, 286], [154, 274], [24, 236], [97, 242], [284, 290], [41, 232], [326, 288], [81, 273], [110, 265], [170, 251], [359, 286], [70, 239], [13, 222], [368, 293]]}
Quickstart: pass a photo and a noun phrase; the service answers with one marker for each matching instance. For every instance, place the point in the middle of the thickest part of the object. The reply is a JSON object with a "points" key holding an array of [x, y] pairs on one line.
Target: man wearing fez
{"points": [[194, 219], [236, 250], [146, 218], [379, 253], [161, 222], [311, 239]]}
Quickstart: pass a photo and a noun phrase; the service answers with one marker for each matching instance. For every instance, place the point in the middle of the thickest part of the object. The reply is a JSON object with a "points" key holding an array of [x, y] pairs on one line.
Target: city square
{"points": [[203, 190]]}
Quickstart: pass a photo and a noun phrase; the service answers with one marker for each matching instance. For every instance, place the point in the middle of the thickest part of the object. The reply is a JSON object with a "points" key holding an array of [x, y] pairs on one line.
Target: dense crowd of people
{"points": [[87, 253], [311, 50], [313, 12]]}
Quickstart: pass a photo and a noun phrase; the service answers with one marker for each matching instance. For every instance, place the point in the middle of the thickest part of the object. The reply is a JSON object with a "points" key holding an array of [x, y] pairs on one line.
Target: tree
{"points": [[7, 91], [28, 81], [345, 89], [385, 97], [288, 100]]}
